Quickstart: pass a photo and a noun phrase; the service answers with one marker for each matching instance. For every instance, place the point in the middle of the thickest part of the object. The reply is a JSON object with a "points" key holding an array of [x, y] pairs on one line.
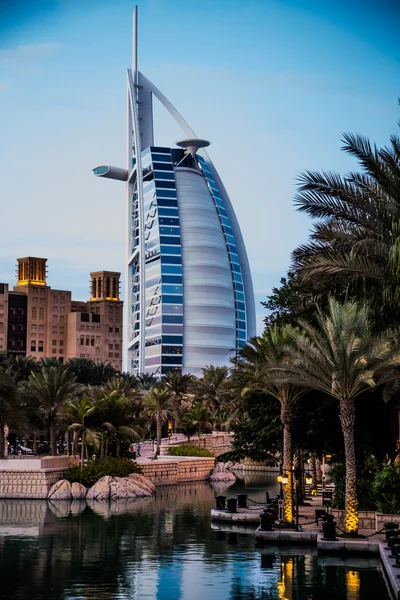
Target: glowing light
{"points": [[279, 478], [288, 497], [308, 480], [353, 585]]}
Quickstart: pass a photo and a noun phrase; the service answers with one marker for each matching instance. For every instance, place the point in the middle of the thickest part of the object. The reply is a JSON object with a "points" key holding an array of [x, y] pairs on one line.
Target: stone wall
{"points": [[181, 470], [28, 484], [368, 519], [217, 443]]}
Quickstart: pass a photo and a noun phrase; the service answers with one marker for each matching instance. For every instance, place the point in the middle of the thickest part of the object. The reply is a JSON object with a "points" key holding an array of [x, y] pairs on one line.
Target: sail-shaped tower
{"points": [[189, 294]]}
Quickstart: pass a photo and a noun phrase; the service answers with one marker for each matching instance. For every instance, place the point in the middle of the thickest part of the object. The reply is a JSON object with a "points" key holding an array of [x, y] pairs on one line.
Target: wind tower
{"points": [[189, 294]]}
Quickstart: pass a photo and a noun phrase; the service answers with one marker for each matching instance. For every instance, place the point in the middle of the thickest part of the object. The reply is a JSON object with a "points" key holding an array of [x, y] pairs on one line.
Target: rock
{"points": [[78, 491], [61, 490], [115, 488], [221, 473], [100, 490], [128, 487], [143, 481]]}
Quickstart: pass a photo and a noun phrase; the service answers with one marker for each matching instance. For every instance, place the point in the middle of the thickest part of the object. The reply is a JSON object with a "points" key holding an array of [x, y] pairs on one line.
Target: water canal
{"points": [[163, 548]]}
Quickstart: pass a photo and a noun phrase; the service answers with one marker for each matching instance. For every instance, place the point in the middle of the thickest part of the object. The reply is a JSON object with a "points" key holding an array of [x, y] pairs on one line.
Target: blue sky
{"points": [[272, 84]]}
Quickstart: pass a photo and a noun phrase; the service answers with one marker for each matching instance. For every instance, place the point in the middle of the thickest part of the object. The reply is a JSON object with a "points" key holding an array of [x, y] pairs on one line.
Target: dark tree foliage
{"points": [[258, 431], [87, 372]]}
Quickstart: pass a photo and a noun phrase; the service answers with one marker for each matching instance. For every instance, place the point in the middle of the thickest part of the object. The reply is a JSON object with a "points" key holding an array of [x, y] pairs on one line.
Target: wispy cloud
{"points": [[26, 53]]}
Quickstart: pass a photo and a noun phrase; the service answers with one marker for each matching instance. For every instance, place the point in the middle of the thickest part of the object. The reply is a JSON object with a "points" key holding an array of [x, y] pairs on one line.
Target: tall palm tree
{"points": [[355, 245], [159, 405], [342, 357], [256, 360], [76, 414], [51, 387]]}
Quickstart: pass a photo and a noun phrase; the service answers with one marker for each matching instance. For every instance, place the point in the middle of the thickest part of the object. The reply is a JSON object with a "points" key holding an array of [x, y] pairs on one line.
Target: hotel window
{"points": [[55, 318], [62, 320], [116, 347], [40, 346], [41, 327], [61, 342], [110, 346], [54, 343], [117, 330], [41, 314], [87, 341], [92, 341], [110, 329], [54, 351], [117, 355], [82, 340], [33, 346], [81, 356], [34, 313], [61, 351]]}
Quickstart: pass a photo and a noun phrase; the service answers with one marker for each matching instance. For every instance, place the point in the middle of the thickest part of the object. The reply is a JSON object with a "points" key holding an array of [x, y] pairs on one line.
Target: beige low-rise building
{"points": [[38, 321]]}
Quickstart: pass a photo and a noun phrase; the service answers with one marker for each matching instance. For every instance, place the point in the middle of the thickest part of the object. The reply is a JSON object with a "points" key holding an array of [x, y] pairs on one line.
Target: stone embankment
{"points": [[35, 477], [30, 477], [177, 469]]}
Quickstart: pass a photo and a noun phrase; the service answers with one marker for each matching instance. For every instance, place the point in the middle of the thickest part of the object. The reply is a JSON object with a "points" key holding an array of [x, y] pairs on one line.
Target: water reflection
{"points": [[160, 548]]}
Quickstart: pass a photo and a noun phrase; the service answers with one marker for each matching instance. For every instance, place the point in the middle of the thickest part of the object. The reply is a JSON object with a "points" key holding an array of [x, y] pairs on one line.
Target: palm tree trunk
{"points": [[82, 452], [66, 438], [53, 440], [313, 465], [75, 443], [158, 433], [106, 448], [102, 446], [117, 453], [347, 419], [319, 470], [2, 440], [286, 419], [34, 443]]}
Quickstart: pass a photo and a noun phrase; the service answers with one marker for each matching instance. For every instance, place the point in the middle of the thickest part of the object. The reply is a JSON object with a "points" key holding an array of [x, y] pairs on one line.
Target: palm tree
{"points": [[201, 417], [9, 408], [77, 415], [179, 385], [50, 388], [214, 389], [342, 357], [117, 408], [355, 246], [159, 405], [256, 360]]}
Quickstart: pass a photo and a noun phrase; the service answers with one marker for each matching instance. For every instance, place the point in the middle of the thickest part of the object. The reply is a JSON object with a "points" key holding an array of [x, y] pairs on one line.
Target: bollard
{"points": [[396, 551], [231, 505], [329, 528], [391, 539], [319, 514], [390, 532], [242, 500], [266, 521], [266, 498], [220, 502]]}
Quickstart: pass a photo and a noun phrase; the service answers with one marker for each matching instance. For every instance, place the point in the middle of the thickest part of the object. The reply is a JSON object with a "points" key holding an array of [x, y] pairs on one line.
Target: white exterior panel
{"points": [[209, 327]]}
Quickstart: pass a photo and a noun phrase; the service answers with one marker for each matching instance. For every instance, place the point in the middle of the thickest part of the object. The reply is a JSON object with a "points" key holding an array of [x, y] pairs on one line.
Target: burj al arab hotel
{"points": [[189, 294]]}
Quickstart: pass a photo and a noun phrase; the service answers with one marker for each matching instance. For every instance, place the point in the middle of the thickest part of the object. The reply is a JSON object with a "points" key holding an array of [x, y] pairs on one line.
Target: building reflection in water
{"points": [[160, 548]]}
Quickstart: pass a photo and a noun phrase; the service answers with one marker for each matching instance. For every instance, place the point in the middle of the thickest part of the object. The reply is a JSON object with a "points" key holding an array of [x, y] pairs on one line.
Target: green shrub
{"points": [[184, 450], [95, 469], [387, 490]]}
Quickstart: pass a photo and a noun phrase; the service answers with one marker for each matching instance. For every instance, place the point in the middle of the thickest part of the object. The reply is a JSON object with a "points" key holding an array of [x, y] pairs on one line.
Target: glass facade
{"points": [[240, 305], [163, 267]]}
